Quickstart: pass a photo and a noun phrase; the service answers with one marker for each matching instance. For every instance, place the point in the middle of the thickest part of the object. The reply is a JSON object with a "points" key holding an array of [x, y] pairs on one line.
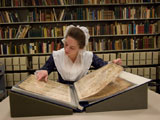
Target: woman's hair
{"points": [[78, 35]]}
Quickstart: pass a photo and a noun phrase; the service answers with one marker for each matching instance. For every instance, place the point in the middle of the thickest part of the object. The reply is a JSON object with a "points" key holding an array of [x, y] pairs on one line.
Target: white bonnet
{"points": [[84, 29]]}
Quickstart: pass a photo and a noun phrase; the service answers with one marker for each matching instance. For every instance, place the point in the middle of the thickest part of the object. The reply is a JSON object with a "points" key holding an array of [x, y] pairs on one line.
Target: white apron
{"points": [[72, 71]]}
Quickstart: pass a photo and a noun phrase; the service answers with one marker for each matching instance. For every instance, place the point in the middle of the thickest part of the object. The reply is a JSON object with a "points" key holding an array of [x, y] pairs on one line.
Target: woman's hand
{"points": [[117, 61], [42, 75]]}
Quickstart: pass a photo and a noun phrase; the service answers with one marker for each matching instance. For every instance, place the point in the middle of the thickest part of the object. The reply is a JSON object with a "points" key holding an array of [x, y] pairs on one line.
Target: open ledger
{"points": [[101, 84]]}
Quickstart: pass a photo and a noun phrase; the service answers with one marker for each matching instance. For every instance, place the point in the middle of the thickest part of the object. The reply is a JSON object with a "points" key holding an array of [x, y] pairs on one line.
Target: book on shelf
{"points": [[54, 15], [22, 31], [115, 28], [97, 86]]}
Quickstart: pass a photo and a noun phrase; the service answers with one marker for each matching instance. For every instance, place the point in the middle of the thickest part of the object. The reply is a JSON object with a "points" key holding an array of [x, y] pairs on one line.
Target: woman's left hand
{"points": [[117, 61]]}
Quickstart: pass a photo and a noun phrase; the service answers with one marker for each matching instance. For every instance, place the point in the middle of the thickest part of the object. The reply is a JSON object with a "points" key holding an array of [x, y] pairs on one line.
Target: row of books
{"points": [[13, 78], [30, 48], [9, 16], [92, 13], [139, 58], [115, 13], [66, 2], [36, 62], [122, 44], [149, 72], [42, 47], [40, 31], [133, 58], [134, 12], [15, 63], [100, 29], [121, 28], [22, 31], [10, 32], [94, 45], [79, 14], [104, 29]]}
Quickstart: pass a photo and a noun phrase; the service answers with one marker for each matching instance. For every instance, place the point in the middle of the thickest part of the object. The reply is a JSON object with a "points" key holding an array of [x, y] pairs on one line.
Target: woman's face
{"points": [[71, 47]]}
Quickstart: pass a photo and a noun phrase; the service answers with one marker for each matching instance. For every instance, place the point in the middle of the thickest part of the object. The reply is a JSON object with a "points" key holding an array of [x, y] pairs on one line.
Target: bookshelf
{"points": [[106, 20]]}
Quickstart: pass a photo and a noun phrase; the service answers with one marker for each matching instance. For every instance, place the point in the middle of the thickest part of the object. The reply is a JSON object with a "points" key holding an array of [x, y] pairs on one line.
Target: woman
{"points": [[73, 61]]}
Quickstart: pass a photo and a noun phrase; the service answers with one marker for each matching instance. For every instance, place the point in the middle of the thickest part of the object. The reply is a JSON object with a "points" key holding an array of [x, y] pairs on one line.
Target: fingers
{"points": [[46, 78], [37, 75], [117, 61], [42, 76]]}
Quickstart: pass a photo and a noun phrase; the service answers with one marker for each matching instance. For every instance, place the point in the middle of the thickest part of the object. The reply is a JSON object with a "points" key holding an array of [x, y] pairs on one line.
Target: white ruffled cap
{"points": [[84, 29]]}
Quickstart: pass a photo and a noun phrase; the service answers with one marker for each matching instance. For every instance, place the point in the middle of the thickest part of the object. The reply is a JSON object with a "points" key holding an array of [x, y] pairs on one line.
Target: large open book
{"points": [[96, 86]]}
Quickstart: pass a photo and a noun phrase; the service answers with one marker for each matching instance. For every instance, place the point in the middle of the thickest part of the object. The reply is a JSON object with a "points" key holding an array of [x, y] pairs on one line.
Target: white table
{"points": [[152, 113]]}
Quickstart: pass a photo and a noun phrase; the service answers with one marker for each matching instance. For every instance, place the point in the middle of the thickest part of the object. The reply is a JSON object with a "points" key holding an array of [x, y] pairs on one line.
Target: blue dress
{"points": [[50, 66]]}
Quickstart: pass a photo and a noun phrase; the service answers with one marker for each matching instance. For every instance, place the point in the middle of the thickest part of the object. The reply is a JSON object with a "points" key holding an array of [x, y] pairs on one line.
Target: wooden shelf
{"points": [[78, 21], [82, 5], [93, 36], [96, 52]]}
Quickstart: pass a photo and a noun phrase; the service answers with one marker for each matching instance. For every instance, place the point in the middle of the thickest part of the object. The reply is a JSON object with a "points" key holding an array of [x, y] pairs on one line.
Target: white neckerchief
{"points": [[72, 71]]}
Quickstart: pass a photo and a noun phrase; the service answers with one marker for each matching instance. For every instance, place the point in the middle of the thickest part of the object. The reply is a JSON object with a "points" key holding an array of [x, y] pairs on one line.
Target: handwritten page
{"points": [[51, 89], [112, 88], [96, 81]]}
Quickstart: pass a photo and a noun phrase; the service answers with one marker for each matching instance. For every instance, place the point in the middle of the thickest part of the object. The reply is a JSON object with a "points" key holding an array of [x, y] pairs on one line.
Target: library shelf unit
{"points": [[106, 23]]}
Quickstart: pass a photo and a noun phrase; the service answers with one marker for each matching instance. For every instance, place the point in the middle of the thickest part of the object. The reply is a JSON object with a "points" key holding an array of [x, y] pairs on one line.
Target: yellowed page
{"points": [[50, 89], [94, 82], [112, 88]]}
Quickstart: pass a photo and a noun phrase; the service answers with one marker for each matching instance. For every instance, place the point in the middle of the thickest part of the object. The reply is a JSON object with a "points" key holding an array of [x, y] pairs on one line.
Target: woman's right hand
{"points": [[42, 75]]}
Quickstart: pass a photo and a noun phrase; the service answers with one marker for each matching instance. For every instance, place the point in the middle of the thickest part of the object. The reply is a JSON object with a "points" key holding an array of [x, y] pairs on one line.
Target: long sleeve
{"points": [[49, 65], [98, 62]]}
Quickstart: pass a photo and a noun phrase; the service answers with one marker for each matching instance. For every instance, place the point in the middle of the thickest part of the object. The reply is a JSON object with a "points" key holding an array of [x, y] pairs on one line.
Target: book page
{"points": [[94, 82], [50, 89], [112, 88]]}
